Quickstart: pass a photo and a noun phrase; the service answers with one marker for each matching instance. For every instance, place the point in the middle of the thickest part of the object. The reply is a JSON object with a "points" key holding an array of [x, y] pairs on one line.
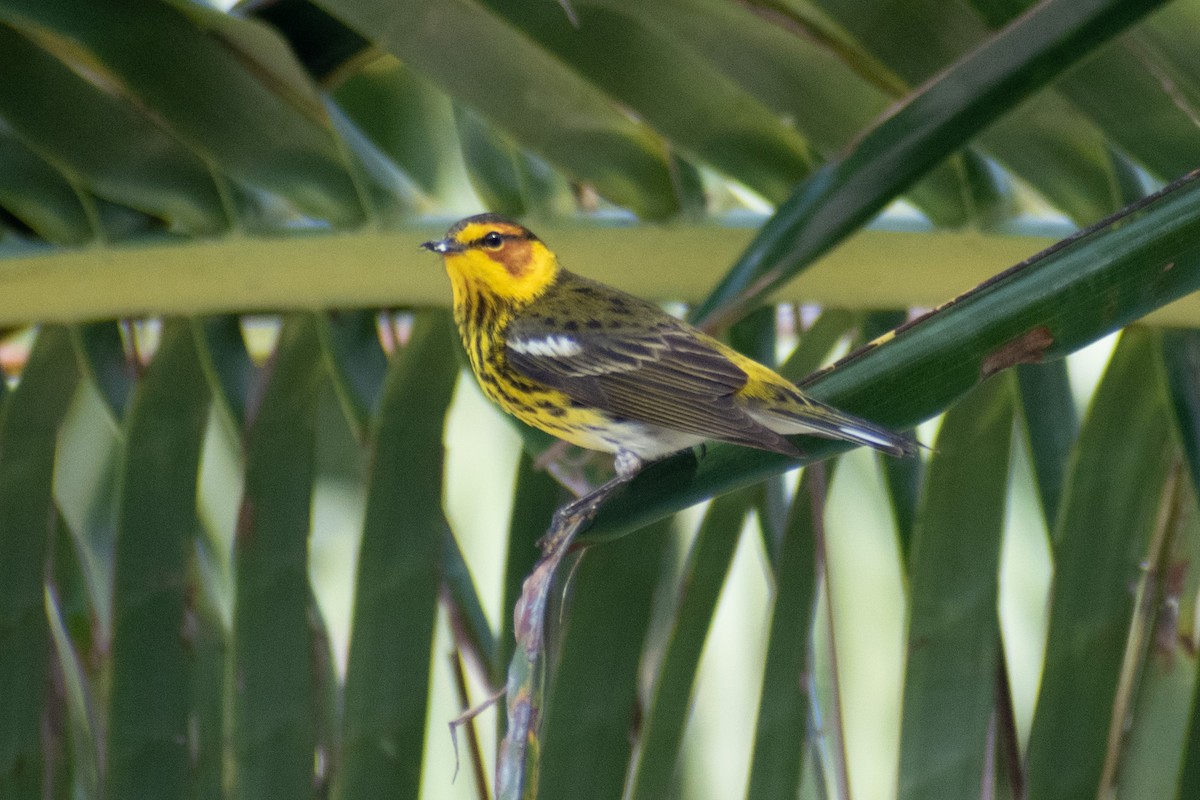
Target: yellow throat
{"points": [[491, 259]]}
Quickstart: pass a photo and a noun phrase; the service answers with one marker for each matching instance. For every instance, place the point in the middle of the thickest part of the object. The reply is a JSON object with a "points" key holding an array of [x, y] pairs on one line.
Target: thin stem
{"points": [[987, 780], [1141, 628], [841, 776], [468, 719]]}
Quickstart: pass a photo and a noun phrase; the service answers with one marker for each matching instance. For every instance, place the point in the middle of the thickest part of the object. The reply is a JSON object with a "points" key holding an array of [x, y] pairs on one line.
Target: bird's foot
{"points": [[569, 519]]}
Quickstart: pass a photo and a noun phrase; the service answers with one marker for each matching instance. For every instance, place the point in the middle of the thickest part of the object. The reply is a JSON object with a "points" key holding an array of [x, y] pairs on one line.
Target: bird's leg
{"points": [[571, 517]]}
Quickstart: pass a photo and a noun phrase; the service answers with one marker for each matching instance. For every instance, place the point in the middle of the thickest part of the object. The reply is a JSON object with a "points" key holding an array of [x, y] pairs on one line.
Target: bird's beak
{"points": [[442, 246]]}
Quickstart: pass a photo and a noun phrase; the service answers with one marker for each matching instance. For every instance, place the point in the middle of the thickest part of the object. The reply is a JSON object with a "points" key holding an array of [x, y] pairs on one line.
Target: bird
{"points": [[606, 370]]}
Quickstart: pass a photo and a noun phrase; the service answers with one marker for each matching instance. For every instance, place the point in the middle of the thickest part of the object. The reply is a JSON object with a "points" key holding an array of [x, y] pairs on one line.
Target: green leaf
{"points": [[1051, 425], [83, 720], [1181, 359], [228, 87], [798, 77], [150, 707], [38, 195], [1162, 691], [275, 695], [104, 362], [1128, 88], [508, 179], [471, 626], [594, 705], [1051, 305], [954, 577], [817, 343], [387, 681], [905, 145], [30, 416], [1163, 45], [406, 117], [101, 142], [525, 91], [356, 363], [73, 764], [1059, 151], [1045, 140], [1110, 512], [902, 477], [740, 137], [703, 576], [209, 651], [802, 79], [781, 739], [491, 160], [230, 371], [86, 475]]}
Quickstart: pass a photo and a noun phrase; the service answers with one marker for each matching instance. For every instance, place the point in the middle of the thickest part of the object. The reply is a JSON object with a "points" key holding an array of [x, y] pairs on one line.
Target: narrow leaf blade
{"points": [[843, 195], [150, 705], [275, 704], [1101, 540], [593, 704], [30, 416], [708, 564], [387, 682], [954, 576]]}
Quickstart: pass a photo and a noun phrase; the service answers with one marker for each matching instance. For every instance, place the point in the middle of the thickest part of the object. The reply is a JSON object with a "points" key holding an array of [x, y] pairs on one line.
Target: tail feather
{"points": [[818, 419], [878, 438]]}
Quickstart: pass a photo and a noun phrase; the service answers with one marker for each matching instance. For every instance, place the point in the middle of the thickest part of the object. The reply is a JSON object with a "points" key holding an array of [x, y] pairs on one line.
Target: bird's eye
{"points": [[493, 241]]}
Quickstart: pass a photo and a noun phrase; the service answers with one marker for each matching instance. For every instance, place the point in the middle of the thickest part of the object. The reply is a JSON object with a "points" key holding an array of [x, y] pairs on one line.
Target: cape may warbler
{"points": [[607, 371]]}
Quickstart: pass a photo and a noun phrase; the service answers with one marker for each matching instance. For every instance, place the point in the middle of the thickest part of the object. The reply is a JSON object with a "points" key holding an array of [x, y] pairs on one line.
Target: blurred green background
{"points": [[261, 536]]}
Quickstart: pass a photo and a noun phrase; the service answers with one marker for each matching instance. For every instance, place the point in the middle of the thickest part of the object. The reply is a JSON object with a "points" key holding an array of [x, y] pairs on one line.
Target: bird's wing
{"points": [[660, 374]]}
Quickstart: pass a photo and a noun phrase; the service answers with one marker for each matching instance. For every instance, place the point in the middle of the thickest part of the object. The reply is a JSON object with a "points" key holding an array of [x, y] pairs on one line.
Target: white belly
{"points": [[647, 442]]}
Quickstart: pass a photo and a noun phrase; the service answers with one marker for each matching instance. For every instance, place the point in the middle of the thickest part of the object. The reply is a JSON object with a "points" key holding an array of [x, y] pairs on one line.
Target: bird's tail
{"points": [[815, 418]]}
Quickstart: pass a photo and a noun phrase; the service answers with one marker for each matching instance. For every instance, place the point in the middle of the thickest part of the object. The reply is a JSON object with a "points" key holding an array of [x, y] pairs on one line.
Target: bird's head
{"points": [[492, 254]]}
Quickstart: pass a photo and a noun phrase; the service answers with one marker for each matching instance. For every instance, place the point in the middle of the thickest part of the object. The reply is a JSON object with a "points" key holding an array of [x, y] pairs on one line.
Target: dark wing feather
{"points": [[659, 374]]}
